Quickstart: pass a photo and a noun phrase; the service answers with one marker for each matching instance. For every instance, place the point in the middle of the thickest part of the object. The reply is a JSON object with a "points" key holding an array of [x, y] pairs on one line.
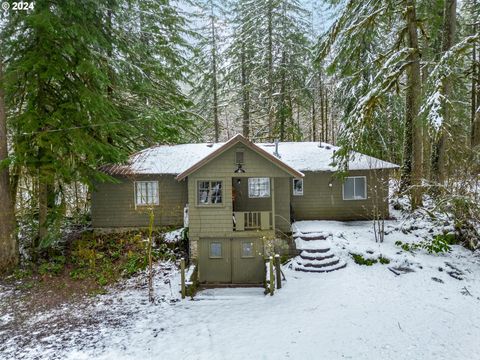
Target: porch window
{"points": [[215, 250], [355, 188], [247, 249], [146, 193], [297, 187], [258, 187], [209, 192]]}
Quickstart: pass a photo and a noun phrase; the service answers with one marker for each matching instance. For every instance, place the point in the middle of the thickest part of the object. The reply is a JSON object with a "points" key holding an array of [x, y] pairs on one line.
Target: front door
{"points": [[237, 261], [248, 266], [214, 260]]}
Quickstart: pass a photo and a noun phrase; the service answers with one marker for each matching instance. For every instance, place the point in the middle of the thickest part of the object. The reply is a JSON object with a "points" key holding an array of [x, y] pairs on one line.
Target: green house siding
{"points": [[322, 202], [113, 204], [216, 221]]}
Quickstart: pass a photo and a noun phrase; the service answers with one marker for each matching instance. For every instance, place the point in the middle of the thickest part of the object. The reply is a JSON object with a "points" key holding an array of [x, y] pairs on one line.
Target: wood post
{"points": [[182, 272], [273, 205], [278, 274], [272, 280]]}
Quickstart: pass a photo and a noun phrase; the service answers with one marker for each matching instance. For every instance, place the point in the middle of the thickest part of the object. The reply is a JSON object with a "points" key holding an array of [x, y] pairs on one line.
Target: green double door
{"points": [[231, 261]]}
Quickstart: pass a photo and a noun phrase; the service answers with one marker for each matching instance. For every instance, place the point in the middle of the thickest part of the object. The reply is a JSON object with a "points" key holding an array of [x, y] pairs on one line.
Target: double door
{"points": [[231, 261]]}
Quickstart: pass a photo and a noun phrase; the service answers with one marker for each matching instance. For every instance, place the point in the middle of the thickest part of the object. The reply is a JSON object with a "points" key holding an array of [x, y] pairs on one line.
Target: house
{"points": [[238, 194]]}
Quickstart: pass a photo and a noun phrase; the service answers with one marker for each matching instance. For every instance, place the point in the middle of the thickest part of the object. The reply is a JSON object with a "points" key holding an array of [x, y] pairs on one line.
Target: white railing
{"points": [[252, 220]]}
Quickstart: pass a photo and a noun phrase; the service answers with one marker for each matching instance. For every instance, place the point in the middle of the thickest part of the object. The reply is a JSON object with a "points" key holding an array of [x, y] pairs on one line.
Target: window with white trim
{"points": [[146, 193], [355, 188], [297, 187], [258, 187], [209, 192]]}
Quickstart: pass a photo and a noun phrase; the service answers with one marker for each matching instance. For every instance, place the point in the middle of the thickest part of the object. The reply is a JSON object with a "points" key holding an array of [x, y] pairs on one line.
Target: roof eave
{"points": [[230, 143]]}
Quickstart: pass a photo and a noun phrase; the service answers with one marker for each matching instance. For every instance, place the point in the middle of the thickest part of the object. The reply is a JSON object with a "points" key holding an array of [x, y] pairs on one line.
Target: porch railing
{"points": [[252, 220]]}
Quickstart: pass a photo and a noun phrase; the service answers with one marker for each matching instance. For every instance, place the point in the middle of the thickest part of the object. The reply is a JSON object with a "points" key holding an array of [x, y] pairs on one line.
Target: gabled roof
{"points": [[301, 156], [229, 144]]}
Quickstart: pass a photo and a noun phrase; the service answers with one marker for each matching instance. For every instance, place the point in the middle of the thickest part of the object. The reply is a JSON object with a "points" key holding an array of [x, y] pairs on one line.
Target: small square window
{"points": [[209, 192], [247, 249], [215, 250], [297, 187]]}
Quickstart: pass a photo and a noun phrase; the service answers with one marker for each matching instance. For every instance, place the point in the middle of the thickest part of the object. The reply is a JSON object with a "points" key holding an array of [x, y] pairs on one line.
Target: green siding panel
{"points": [[113, 204], [217, 221], [322, 202]]}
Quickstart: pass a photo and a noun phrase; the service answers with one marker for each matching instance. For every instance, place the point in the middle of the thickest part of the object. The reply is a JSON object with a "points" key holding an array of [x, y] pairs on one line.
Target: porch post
{"points": [[273, 203]]}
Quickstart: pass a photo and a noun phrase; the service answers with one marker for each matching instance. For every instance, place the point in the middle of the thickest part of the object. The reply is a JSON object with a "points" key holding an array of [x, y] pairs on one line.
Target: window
{"points": [[215, 250], [258, 187], [297, 187], [239, 157], [355, 188], [209, 192], [247, 249], [146, 193]]}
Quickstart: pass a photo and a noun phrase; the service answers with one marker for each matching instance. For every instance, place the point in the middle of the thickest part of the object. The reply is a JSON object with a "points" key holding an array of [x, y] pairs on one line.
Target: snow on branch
{"points": [[435, 98]]}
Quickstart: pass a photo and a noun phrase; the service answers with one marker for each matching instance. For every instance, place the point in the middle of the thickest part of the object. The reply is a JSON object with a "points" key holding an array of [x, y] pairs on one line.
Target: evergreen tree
{"points": [[208, 91], [87, 85]]}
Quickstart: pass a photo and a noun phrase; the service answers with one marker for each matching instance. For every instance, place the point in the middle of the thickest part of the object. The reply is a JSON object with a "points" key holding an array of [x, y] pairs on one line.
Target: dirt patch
{"points": [[58, 313]]}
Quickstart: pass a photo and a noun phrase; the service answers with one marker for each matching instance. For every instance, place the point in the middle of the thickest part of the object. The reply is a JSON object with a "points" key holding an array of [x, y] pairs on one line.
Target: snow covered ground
{"points": [[359, 312]]}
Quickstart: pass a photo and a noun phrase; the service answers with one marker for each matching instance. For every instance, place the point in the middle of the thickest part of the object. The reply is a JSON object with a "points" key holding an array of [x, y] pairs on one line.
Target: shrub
{"points": [[383, 260], [438, 244], [53, 267], [360, 260]]}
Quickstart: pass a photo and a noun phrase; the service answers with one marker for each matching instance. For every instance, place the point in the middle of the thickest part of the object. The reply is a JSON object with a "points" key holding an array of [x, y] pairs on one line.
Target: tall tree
{"points": [[475, 86], [371, 46], [8, 243], [90, 84], [207, 91], [439, 154], [413, 140]]}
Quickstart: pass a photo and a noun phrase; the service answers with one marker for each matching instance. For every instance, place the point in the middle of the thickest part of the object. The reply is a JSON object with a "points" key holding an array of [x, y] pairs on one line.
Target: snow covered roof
{"points": [[302, 156]]}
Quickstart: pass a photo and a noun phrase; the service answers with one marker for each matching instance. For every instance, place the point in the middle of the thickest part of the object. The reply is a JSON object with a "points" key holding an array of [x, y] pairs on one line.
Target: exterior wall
{"points": [[113, 204], [321, 202], [215, 221]]}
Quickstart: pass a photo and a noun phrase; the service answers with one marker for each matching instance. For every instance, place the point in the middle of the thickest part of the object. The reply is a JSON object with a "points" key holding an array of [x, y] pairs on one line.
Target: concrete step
{"points": [[312, 236], [341, 264], [316, 251], [316, 256], [318, 263]]}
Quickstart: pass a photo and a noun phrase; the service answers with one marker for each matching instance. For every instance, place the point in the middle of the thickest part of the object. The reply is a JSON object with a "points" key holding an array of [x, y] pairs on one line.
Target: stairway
{"points": [[316, 254]]}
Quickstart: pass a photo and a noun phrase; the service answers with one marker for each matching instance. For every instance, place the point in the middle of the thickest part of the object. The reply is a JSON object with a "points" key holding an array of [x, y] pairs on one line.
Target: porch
{"points": [[252, 220]]}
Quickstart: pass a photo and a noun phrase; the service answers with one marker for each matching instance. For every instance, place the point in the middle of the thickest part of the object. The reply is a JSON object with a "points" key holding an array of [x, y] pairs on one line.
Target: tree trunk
{"points": [[214, 76], [427, 141], [439, 153], [322, 112], [325, 117], [475, 98], [270, 68], [314, 121], [413, 143], [8, 241], [245, 94]]}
